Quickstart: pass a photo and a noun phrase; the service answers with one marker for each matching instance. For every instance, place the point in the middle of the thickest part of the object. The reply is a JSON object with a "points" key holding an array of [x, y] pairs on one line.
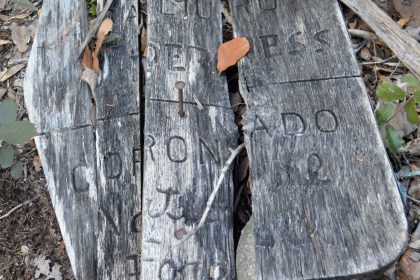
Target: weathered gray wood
{"points": [[68, 159], [118, 149], [59, 104], [184, 155], [325, 201], [92, 163]]}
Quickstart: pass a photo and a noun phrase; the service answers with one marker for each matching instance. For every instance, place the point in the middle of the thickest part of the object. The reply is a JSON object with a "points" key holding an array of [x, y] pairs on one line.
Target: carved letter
{"points": [[200, 9], [133, 223], [175, 57], [113, 165], [204, 146], [293, 124], [136, 273], [270, 44], [77, 175], [326, 121], [320, 38], [295, 47], [268, 4], [182, 151], [150, 143]]}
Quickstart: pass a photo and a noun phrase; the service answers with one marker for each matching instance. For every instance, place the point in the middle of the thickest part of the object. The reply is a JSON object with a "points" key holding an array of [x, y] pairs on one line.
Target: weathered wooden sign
{"points": [[186, 145], [90, 151], [324, 197], [325, 202]]}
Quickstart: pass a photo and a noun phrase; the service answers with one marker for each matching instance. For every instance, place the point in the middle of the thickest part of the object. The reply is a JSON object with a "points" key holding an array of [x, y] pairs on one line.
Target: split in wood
{"points": [[189, 234]]}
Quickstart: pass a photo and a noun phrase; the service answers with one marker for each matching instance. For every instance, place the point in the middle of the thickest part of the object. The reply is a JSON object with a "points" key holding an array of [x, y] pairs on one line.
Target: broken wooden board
{"points": [[94, 188], [184, 155], [325, 202]]}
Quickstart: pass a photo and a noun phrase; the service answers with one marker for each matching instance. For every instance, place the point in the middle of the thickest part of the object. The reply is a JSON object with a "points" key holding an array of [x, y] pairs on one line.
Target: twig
{"points": [[225, 169], [363, 34], [95, 26], [17, 207]]}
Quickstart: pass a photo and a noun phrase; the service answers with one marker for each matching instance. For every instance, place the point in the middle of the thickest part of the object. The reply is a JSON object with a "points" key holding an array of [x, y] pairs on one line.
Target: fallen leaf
{"points": [[22, 15], [412, 147], [91, 78], [104, 29], [403, 22], [37, 163], [11, 72], [87, 58], [229, 53], [409, 268], [21, 37]]}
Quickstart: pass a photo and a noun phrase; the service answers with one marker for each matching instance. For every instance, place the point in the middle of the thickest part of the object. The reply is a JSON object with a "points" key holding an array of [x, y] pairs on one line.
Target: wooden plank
{"points": [[119, 196], [183, 155], [118, 149], [68, 160], [91, 152], [325, 201], [59, 104]]}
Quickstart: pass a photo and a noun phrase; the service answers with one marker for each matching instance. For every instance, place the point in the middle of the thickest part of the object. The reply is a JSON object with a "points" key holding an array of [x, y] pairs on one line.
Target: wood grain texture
{"points": [[184, 155], [289, 37], [405, 47], [118, 149], [59, 104], [90, 153], [68, 160], [325, 202]]}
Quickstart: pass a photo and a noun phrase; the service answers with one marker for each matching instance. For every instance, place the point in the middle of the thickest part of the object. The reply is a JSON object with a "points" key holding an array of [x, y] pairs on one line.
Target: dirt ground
{"points": [[31, 246]]}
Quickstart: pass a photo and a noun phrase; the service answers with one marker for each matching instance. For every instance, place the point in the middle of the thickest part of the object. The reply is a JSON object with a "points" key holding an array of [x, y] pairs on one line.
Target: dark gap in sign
{"points": [[242, 208], [142, 18]]}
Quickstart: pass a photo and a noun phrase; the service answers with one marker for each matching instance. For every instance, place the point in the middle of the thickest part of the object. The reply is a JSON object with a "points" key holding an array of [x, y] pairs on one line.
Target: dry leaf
{"points": [[229, 53], [104, 29], [409, 268], [87, 58], [11, 72], [143, 41], [21, 15], [37, 163], [91, 78], [21, 37], [403, 22]]}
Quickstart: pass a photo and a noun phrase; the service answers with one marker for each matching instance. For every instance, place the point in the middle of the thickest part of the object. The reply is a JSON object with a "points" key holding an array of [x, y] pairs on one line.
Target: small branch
{"points": [[225, 169], [363, 34], [17, 207], [95, 26]]}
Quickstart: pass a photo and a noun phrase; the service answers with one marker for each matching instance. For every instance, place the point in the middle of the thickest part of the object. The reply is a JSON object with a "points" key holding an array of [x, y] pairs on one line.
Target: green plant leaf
{"points": [[393, 139], [17, 132], [111, 38], [8, 112], [17, 170], [6, 157], [390, 92], [417, 96], [411, 81], [410, 110], [385, 113], [24, 4]]}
